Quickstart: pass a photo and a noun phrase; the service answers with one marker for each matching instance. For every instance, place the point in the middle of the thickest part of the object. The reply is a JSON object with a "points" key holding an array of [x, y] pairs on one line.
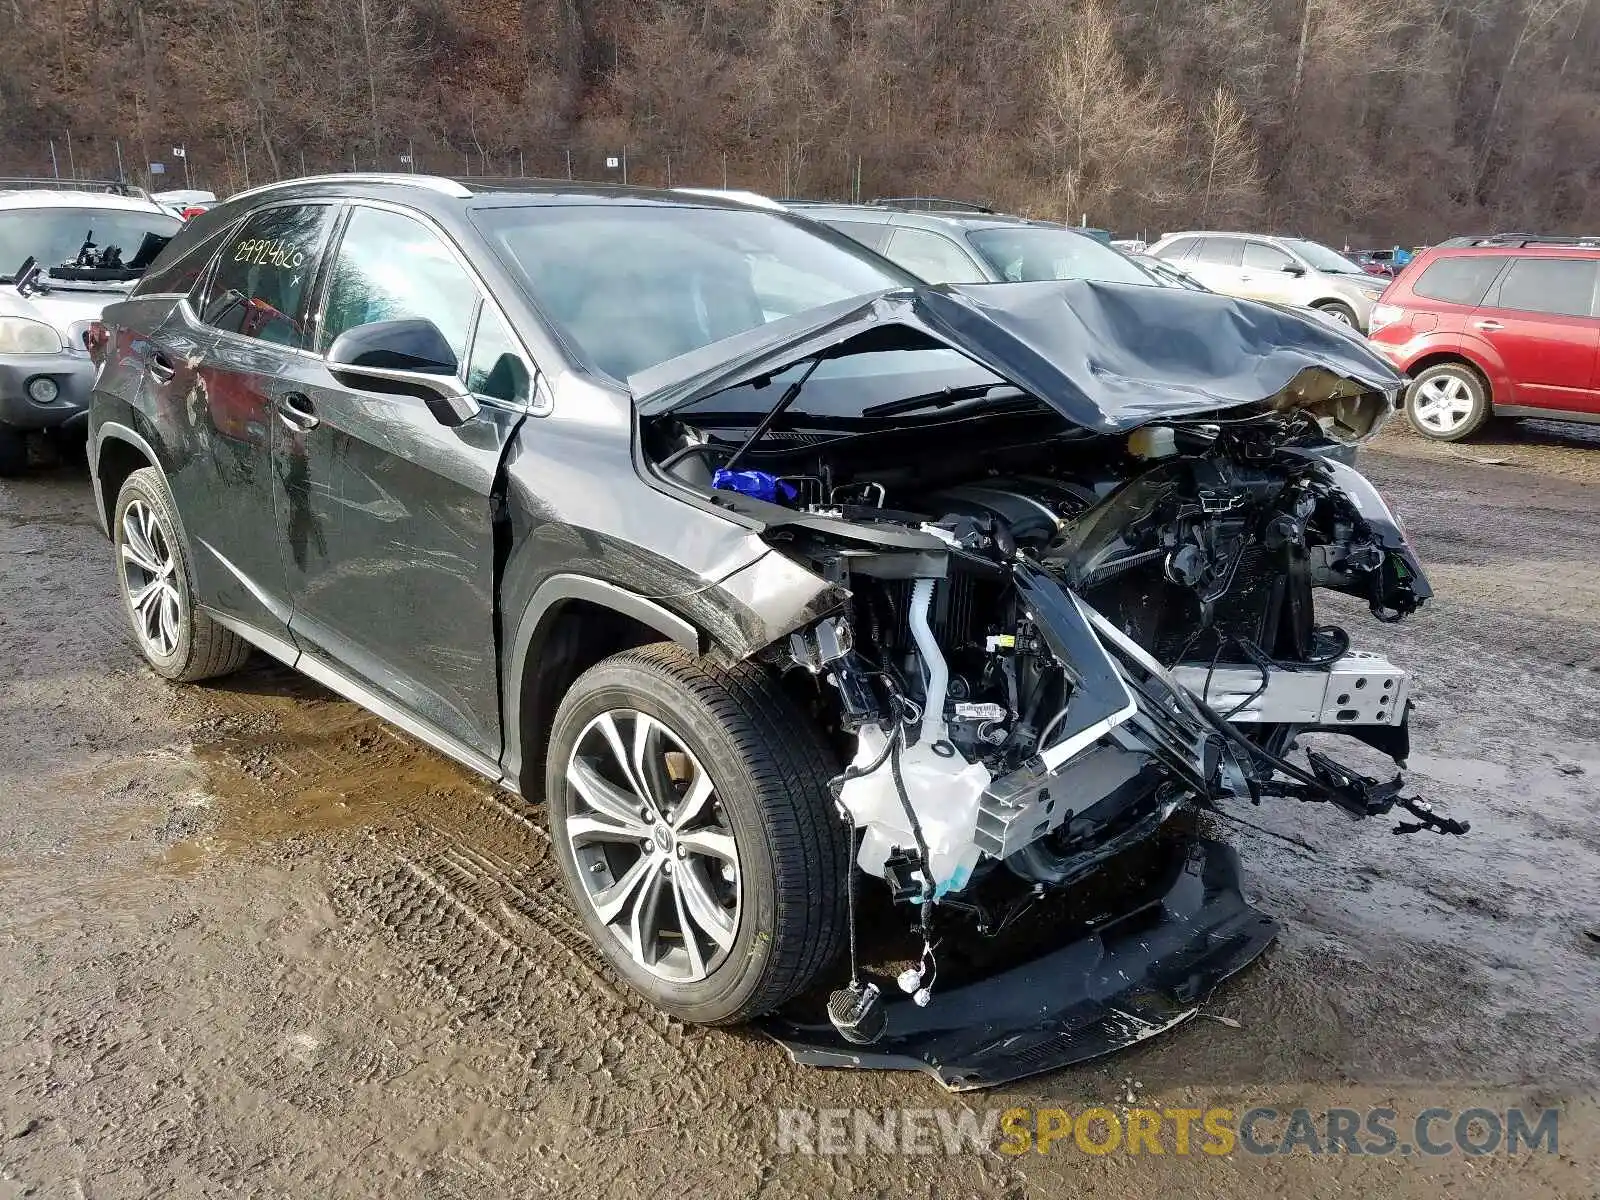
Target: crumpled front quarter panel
{"points": [[577, 505]]}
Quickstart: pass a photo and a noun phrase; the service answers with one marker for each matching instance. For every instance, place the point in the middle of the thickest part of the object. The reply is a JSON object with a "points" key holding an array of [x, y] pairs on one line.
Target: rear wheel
{"points": [[1448, 402], [690, 814], [179, 641]]}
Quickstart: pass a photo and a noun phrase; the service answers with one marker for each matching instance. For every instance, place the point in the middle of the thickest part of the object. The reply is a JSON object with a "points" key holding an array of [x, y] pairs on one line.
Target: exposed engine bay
{"points": [[1054, 637]]}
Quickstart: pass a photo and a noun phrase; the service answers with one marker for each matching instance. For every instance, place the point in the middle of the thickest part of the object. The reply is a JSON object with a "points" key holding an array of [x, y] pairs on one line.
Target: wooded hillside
{"points": [[1359, 120]]}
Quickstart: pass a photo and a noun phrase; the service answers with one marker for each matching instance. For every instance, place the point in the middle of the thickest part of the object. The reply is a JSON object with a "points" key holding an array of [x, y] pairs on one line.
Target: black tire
{"points": [[201, 648], [1465, 385], [770, 767], [1339, 312], [13, 451]]}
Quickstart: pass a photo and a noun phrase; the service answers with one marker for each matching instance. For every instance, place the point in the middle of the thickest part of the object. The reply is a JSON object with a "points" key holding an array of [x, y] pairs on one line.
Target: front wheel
{"points": [[1341, 313], [1447, 402], [177, 639], [690, 814]]}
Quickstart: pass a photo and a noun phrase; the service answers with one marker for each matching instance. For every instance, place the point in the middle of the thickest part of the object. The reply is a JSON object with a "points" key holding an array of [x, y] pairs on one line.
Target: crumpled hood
{"points": [[1107, 356]]}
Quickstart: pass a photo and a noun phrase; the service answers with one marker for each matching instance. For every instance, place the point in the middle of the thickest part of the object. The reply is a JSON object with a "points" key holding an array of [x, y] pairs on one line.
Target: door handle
{"points": [[297, 412], [161, 368], [1487, 326]]}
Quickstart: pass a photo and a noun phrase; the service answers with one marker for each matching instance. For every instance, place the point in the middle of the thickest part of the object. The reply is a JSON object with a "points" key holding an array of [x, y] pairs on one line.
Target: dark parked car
{"points": [[953, 245], [1507, 330], [665, 509]]}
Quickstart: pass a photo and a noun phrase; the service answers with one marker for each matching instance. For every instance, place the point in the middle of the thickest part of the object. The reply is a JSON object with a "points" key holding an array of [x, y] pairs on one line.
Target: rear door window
{"points": [[1221, 252], [1462, 280], [1560, 286], [933, 257], [262, 279], [1177, 249]]}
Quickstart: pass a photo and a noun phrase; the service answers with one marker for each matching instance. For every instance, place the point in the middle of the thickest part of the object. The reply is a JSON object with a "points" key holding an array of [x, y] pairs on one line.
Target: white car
{"points": [[87, 249], [1285, 270]]}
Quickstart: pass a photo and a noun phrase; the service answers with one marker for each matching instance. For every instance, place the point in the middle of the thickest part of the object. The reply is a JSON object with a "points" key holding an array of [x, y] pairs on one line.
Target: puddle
{"points": [[295, 762]]}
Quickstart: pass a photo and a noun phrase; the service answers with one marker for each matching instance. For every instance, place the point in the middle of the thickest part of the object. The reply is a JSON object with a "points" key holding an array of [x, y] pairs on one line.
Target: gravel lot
{"points": [[255, 942]]}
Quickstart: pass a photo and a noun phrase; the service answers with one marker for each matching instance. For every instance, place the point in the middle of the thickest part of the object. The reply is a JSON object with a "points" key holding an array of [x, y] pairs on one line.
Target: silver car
{"points": [[86, 249], [1285, 270]]}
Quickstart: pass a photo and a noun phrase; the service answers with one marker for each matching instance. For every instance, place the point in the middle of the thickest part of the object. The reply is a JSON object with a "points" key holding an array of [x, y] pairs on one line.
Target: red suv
{"points": [[1509, 330]]}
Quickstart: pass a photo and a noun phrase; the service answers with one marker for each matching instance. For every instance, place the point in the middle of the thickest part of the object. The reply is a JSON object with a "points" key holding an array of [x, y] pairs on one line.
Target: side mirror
{"points": [[404, 358], [1294, 269]]}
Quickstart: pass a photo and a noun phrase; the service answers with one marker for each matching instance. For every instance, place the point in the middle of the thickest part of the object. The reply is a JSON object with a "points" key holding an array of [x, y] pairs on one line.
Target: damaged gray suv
{"points": [[871, 643]]}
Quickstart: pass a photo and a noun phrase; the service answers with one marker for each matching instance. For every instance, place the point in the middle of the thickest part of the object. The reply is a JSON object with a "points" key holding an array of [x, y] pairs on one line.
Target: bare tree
{"points": [[1231, 183], [1395, 120], [1105, 133]]}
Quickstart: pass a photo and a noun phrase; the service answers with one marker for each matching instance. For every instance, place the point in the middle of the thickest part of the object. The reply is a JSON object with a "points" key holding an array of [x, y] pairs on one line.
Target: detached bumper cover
{"points": [[1127, 981]]}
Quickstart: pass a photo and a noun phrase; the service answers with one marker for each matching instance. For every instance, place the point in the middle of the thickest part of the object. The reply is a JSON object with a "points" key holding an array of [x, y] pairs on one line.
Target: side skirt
{"points": [[1546, 414], [336, 681]]}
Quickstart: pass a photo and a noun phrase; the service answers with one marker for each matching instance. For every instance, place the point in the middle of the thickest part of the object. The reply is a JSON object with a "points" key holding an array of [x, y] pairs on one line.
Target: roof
{"points": [[917, 218], [1532, 249], [738, 195], [498, 191], [114, 187], [44, 198], [1230, 233]]}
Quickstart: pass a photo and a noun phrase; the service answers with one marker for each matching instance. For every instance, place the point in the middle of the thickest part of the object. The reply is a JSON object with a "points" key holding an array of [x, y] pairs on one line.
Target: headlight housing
{"points": [[20, 335]]}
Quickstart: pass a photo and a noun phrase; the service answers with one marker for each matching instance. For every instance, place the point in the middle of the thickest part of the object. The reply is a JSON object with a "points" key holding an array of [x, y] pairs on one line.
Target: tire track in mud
{"points": [[458, 880], [494, 935]]}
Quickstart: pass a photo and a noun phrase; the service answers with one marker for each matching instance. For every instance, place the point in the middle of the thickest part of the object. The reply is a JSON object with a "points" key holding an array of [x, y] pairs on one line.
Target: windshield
{"points": [[632, 286], [1322, 258], [1029, 254], [54, 235]]}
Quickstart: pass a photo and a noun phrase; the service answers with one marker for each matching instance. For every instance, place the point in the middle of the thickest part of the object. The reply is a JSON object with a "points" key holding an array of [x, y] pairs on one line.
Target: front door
{"points": [[218, 366], [1266, 273], [386, 515], [1539, 322]]}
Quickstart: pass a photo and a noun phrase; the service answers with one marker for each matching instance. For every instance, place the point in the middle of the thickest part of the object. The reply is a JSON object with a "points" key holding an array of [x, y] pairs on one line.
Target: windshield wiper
{"points": [[940, 399]]}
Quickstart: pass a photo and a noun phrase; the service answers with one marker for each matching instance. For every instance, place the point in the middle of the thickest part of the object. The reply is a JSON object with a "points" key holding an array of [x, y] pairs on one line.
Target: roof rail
{"points": [[1518, 240], [434, 183], [931, 203], [110, 187]]}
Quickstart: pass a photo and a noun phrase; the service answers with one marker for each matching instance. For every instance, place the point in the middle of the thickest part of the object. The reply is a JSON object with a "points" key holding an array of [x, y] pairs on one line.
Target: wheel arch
{"points": [[119, 452], [1439, 358], [571, 623]]}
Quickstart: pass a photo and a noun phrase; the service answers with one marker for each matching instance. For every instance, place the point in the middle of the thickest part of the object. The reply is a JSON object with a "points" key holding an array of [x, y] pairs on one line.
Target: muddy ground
{"points": [[253, 941]]}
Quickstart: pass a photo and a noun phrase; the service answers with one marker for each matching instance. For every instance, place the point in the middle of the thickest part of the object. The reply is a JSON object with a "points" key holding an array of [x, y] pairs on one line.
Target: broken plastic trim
{"points": [[1130, 979]]}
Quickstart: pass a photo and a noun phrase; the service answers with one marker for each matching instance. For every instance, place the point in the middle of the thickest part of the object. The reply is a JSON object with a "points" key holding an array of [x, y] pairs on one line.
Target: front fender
{"points": [[1400, 575]]}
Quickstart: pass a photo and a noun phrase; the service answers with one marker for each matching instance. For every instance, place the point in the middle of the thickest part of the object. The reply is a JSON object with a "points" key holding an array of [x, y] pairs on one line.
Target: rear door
{"points": [[387, 517], [1539, 319], [1216, 263], [217, 368]]}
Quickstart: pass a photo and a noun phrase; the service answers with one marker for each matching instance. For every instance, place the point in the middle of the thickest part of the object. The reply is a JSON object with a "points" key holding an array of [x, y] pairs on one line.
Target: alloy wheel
{"points": [[653, 848], [1442, 404], [149, 570]]}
